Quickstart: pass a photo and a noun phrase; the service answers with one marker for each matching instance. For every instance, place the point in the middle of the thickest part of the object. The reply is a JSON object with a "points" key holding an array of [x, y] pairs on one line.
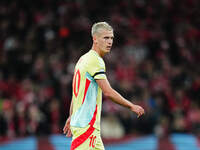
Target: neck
{"points": [[96, 49]]}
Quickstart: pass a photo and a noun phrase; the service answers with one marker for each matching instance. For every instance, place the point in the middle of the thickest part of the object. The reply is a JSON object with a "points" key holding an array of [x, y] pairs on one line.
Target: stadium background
{"points": [[154, 62]]}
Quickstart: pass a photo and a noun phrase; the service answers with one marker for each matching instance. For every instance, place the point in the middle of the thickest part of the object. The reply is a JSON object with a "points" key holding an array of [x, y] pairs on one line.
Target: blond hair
{"points": [[100, 25]]}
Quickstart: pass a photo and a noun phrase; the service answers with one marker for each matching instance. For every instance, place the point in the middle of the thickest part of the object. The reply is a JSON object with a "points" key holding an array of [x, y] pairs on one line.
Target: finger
{"points": [[65, 129], [138, 115], [142, 111], [69, 133]]}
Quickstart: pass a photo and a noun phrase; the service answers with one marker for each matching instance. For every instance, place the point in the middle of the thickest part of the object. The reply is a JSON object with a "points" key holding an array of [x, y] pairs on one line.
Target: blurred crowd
{"points": [[154, 62]]}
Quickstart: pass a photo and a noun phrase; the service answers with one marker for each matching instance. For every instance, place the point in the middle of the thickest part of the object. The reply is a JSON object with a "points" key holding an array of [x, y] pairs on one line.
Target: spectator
{"points": [[156, 59]]}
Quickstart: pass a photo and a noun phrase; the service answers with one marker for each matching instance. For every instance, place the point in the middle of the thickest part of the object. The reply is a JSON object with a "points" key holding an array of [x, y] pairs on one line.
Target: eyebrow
{"points": [[108, 37]]}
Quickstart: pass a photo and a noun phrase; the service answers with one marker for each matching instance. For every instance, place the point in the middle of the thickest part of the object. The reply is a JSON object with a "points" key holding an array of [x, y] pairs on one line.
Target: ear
{"points": [[94, 39]]}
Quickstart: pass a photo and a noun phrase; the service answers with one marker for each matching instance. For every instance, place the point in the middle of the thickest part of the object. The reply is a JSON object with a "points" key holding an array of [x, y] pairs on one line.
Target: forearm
{"points": [[117, 98], [71, 108], [109, 92]]}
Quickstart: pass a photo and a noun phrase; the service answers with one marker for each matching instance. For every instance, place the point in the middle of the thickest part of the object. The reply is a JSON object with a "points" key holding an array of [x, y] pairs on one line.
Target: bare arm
{"points": [[109, 92], [66, 129], [71, 109]]}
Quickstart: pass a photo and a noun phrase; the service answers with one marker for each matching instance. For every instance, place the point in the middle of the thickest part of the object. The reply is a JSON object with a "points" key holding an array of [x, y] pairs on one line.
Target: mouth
{"points": [[109, 47]]}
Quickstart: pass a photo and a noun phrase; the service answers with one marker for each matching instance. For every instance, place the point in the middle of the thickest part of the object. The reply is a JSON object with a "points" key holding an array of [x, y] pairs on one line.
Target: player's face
{"points": [[104, 41]]}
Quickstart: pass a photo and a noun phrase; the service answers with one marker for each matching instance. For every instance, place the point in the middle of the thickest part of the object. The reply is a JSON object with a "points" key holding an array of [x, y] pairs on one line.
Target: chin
{"points": [[107, 50]]}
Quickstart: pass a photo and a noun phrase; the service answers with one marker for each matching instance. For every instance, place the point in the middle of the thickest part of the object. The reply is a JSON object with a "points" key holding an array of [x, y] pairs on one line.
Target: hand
{"points": [[66, 129], [138, 110]]}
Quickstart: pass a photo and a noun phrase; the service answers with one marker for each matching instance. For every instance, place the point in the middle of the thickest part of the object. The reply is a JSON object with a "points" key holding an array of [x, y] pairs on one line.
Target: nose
{"points": [[110, 41]]}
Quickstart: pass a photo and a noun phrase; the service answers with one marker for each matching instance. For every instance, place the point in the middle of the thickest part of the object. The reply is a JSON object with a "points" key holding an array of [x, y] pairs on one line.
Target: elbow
{"points": [[108, 93]]}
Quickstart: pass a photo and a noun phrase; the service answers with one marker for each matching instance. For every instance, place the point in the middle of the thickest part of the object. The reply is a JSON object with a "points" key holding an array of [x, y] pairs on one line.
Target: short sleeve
{"points": [[97, 69]]}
